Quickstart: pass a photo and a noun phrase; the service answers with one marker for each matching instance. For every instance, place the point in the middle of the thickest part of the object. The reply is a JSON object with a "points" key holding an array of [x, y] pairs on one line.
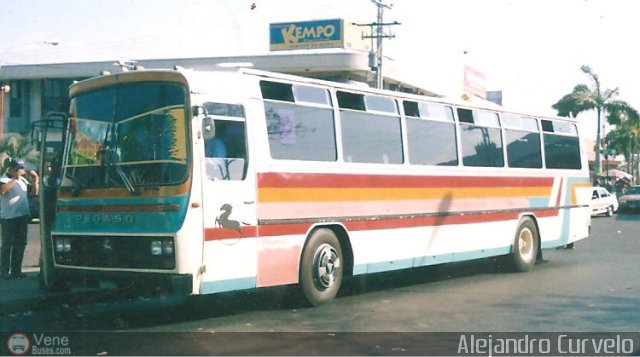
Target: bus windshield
{"points": [[127, 136]]}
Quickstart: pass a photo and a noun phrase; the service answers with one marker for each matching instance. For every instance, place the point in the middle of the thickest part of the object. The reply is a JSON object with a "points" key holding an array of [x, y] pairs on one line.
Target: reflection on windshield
{"points": [[127, 136]]}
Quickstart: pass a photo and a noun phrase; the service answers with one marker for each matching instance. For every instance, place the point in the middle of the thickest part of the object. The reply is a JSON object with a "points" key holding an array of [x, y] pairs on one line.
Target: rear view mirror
{"points": [[51, 179], [208, 127]]}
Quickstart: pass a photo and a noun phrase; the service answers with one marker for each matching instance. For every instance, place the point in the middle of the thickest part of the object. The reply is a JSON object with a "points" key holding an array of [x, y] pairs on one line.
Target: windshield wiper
{"points": [[77, 184], [125, 179], [110, 159]]}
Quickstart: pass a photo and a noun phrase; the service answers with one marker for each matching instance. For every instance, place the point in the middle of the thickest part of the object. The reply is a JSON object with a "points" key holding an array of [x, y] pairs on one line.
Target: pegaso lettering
{"points": [[105, 218], [293, 34]]}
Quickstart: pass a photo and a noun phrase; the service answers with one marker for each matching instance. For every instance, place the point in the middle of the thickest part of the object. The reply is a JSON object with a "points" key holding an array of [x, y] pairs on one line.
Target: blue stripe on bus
{"points": [[538, 202], [564, 231], [427, 260], [211, 287], [563, 239], [102, 222]]}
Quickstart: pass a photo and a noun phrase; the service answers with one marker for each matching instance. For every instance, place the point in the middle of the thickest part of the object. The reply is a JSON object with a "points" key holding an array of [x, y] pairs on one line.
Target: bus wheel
{"points": [[321, 267], [525, 246]]}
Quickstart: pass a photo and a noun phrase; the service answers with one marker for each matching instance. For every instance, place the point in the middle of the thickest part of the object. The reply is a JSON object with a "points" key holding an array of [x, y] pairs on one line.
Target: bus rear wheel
{"points": [[321, 267], [525, 246]]}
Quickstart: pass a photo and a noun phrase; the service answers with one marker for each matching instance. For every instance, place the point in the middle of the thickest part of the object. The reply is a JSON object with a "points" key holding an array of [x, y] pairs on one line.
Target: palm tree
{"points": [[14, 145], [626, 133], [583, 98], [625, 140]]}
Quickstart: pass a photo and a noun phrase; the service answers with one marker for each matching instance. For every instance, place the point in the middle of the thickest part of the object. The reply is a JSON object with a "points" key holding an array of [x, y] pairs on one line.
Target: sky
{"points": [[532, 50]]}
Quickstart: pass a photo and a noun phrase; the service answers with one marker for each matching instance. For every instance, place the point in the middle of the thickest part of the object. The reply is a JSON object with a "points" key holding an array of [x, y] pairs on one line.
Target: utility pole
{"points": [[375, 58]]}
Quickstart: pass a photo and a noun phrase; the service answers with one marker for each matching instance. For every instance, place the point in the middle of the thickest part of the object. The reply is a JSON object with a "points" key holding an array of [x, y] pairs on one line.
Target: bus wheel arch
{"points": [[326, 258], [347, 250], [526, 246]]}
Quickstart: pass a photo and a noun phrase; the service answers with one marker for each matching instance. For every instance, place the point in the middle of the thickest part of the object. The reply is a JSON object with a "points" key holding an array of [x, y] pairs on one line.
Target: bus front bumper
{"points": [[142, 283]]}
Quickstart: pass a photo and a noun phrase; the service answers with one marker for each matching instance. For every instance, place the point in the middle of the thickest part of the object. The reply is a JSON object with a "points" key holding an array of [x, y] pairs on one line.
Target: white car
{"points": [[603, 202]]}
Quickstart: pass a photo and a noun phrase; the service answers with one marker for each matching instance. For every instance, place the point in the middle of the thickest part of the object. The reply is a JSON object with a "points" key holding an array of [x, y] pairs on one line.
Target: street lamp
{"points": [[5, 88]]}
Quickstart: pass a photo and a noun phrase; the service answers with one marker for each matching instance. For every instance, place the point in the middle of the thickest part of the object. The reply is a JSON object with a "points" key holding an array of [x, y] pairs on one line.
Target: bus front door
{"points": [[229, 207]]}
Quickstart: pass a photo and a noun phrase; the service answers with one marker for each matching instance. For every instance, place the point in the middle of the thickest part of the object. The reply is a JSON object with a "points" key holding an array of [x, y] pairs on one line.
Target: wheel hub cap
{"points": [[326, 265], [526, 244]]}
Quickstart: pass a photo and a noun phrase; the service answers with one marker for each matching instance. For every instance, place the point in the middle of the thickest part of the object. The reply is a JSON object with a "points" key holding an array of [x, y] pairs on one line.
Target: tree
{"points": [[584, 98], [625, 140], [15, 145]]}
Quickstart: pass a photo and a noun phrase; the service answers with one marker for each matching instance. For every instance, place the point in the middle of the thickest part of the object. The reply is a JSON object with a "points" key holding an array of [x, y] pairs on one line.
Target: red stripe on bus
{"points": [[559, 193], [227, 233], [385, 181], [281, 229]]}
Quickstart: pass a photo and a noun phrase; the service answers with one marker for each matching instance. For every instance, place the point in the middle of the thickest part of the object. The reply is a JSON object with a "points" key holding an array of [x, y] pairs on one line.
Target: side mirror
{"points": [[51, 178], [198, 110], [51, 182], [208, 127]]}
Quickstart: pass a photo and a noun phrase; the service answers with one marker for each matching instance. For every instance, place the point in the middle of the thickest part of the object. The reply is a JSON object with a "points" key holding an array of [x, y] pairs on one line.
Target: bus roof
{"points": [[199, 80]]}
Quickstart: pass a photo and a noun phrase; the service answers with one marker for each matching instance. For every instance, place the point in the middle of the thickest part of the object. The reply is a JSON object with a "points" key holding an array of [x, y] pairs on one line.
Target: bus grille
{"points": [[115, 252]]}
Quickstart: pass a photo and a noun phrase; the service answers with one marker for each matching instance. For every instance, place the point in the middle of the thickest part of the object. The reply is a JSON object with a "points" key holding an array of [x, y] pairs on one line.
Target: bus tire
{"points": [[321, 267], [525, 246]]}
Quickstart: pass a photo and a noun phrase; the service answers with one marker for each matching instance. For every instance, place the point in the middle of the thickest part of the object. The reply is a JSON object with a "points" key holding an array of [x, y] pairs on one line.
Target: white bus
{"points": [[207, 182]]}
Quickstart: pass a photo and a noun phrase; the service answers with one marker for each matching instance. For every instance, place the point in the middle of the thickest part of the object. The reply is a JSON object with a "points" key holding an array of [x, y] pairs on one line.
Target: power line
{"points": [[375, 58]]}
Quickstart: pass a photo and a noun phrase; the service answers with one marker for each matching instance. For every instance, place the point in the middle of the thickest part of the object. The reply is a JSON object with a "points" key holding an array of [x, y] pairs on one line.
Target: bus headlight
{"points": [[162, 247], [167, 247], [156, 247], [63, 245], [59, 245]]}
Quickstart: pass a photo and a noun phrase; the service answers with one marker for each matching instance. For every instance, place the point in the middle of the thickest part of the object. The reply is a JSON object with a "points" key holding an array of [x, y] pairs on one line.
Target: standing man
{"points": [[14, 215]]}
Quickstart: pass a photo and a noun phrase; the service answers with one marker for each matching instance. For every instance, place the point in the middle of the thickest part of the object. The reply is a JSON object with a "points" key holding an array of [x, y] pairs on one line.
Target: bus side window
{"points": [[214, 143], [225, 151], [225, 141]]}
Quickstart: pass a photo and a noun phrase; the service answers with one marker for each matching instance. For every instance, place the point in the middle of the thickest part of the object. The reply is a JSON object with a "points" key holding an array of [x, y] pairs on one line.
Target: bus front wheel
{"points": [[525, 246], [321, 267]]}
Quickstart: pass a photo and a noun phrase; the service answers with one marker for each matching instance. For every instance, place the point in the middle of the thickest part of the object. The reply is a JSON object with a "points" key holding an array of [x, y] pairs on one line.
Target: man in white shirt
{"points": [[14, 216]]}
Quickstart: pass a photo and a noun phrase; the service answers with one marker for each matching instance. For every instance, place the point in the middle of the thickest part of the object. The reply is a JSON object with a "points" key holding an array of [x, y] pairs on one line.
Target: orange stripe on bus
{"points": [[300, 180], [574, 186], [394, 194]]}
